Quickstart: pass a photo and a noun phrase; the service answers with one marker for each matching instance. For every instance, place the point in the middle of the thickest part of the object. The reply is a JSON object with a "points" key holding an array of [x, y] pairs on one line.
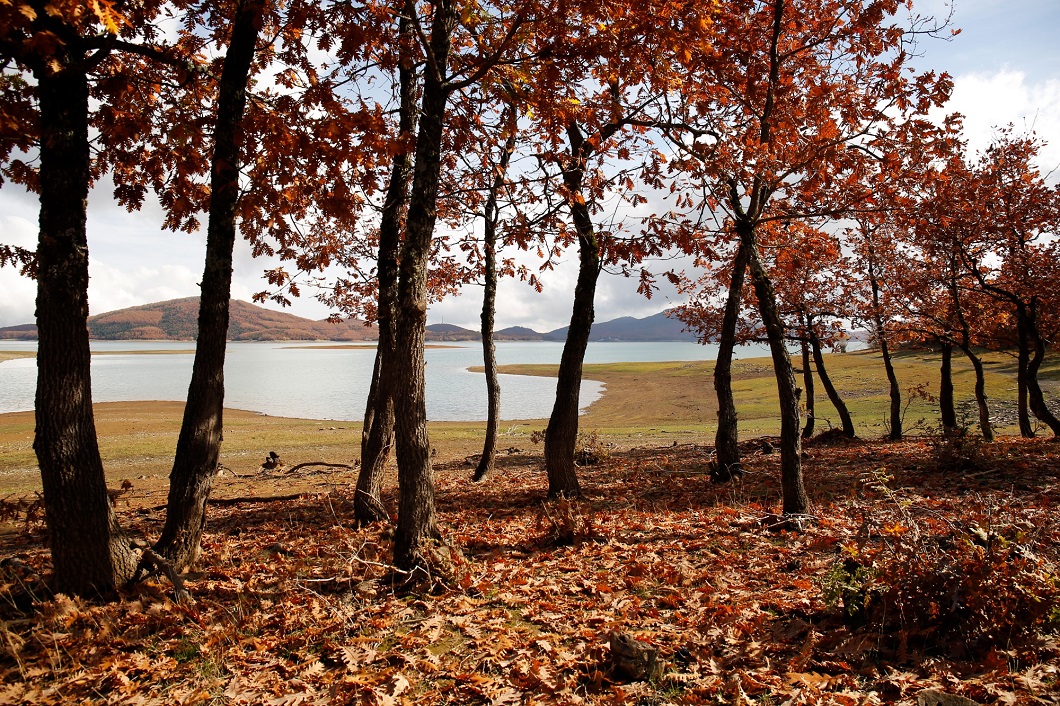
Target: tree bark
{"points": [[199, 443], [561, 435], [946, 406], [965, 345], [895, 433], [1023, 360], [377, 436], [489, 301], [795, 499], [833, 394], [417, 522], [89, 552], [726, 447], [1034, 390], [808, 392], [980, 392]]}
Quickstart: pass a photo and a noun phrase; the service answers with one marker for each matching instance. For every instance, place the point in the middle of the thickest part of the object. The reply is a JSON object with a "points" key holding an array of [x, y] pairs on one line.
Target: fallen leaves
{"points": [[735, 612]]}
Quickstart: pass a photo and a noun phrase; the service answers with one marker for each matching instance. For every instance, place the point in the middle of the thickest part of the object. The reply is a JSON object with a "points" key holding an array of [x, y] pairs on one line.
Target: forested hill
{"points": [[176, 320]]}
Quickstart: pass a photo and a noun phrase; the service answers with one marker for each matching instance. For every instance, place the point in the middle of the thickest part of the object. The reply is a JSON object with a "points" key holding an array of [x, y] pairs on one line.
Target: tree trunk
{"points": [[796, 501], [808, 393], [980, 392], [895, 433], [377, 436], [199, 443], [561, 435], [417, 522], [726, 448], [489, 302], [966, 346], [1037, 399], [1023, 359], [833, 394], [89, 553], [946, 406]]}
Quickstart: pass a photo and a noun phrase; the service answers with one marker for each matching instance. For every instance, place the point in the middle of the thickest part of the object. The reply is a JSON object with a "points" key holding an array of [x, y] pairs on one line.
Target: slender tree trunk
{"points": [[489, 301], [807, 383], [965, 345], [946, 406], [377, 436], [726, 447], [980, 392], [796, 501], [895, 433], [417, 522], [199, 443], [1037, 399], [561, 435], [489, 359], [833, 394], [1023, 360], [89, 553]]}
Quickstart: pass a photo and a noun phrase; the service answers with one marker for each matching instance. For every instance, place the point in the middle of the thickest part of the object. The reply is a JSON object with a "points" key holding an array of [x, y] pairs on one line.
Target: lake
{"points": [[314, 381]]}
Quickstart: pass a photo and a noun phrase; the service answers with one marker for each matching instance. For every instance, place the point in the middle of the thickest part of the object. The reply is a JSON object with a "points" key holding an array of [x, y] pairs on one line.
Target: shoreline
{"points": [[641, 403]]}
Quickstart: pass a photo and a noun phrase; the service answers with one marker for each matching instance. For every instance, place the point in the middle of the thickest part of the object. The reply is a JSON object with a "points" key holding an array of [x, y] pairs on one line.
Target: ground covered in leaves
{"points": [[927, 568]]}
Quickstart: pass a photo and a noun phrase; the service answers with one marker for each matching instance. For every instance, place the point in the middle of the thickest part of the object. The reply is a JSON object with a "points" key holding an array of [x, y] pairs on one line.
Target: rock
{"points": [[633, 658], [937, 697]]}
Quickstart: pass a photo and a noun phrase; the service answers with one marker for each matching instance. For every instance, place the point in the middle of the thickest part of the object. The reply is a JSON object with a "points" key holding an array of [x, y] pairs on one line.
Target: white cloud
{"points": [[992, 100]]}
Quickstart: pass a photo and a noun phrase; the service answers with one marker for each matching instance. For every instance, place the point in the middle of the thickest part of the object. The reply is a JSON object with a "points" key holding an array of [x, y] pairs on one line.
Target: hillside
{"points": [[177, 320], [658, 327]]}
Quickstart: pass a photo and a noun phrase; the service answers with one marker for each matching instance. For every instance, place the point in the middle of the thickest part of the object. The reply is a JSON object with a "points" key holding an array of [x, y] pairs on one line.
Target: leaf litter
{"points": [[905, 579]]}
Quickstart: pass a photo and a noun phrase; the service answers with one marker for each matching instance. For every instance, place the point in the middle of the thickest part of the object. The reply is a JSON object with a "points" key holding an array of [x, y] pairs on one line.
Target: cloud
{"points": [[992, 100]]}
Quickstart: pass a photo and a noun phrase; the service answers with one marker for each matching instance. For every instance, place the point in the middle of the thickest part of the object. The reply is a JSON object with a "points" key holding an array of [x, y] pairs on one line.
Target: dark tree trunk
{"points": [[89, 553], [796, 501], [829, 388], [1037, 399], [965, 345], [808, 391], [377, 436], [895, 433], [199, 443], [980, 392], [489, 302], [561, 435], [946, 406], [1022, 368], [417, 522], [726, 448]]}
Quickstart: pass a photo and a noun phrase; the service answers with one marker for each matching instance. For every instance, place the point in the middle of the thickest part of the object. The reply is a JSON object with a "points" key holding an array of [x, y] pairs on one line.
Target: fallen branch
{"points": [[348, 467], [180, 593], [228, 502]]}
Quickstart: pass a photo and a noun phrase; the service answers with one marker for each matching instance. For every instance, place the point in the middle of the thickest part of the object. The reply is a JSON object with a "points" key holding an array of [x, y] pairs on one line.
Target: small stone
{"points": [[937, 697]]}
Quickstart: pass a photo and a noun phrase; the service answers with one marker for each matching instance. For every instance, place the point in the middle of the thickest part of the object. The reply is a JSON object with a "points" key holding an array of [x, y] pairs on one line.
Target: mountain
{"points": [[451, 332], [177, 320], [658, 327]]}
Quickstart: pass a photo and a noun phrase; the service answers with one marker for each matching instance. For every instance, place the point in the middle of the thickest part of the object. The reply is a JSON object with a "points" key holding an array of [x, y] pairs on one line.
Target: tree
{"points": [[199, 443], [1012, 254], [783, 100], [491, 221], [417, 524], [61, 46]]}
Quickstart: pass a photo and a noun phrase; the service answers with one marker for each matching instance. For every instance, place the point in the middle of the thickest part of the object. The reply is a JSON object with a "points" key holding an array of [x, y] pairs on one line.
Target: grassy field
{"points": [[643, 404]]}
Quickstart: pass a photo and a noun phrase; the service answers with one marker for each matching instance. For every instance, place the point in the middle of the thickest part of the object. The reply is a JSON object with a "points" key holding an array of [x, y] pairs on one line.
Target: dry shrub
{"points": [[564, 523], [959, 593], [957, 450]]}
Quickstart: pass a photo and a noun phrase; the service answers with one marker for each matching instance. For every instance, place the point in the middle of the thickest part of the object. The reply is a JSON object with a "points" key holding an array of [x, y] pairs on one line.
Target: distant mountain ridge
{"points": [[177, 320]]}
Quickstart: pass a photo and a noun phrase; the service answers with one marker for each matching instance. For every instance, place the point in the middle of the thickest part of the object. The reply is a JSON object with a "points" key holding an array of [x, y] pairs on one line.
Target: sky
{"points": [[1006, 68]]}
